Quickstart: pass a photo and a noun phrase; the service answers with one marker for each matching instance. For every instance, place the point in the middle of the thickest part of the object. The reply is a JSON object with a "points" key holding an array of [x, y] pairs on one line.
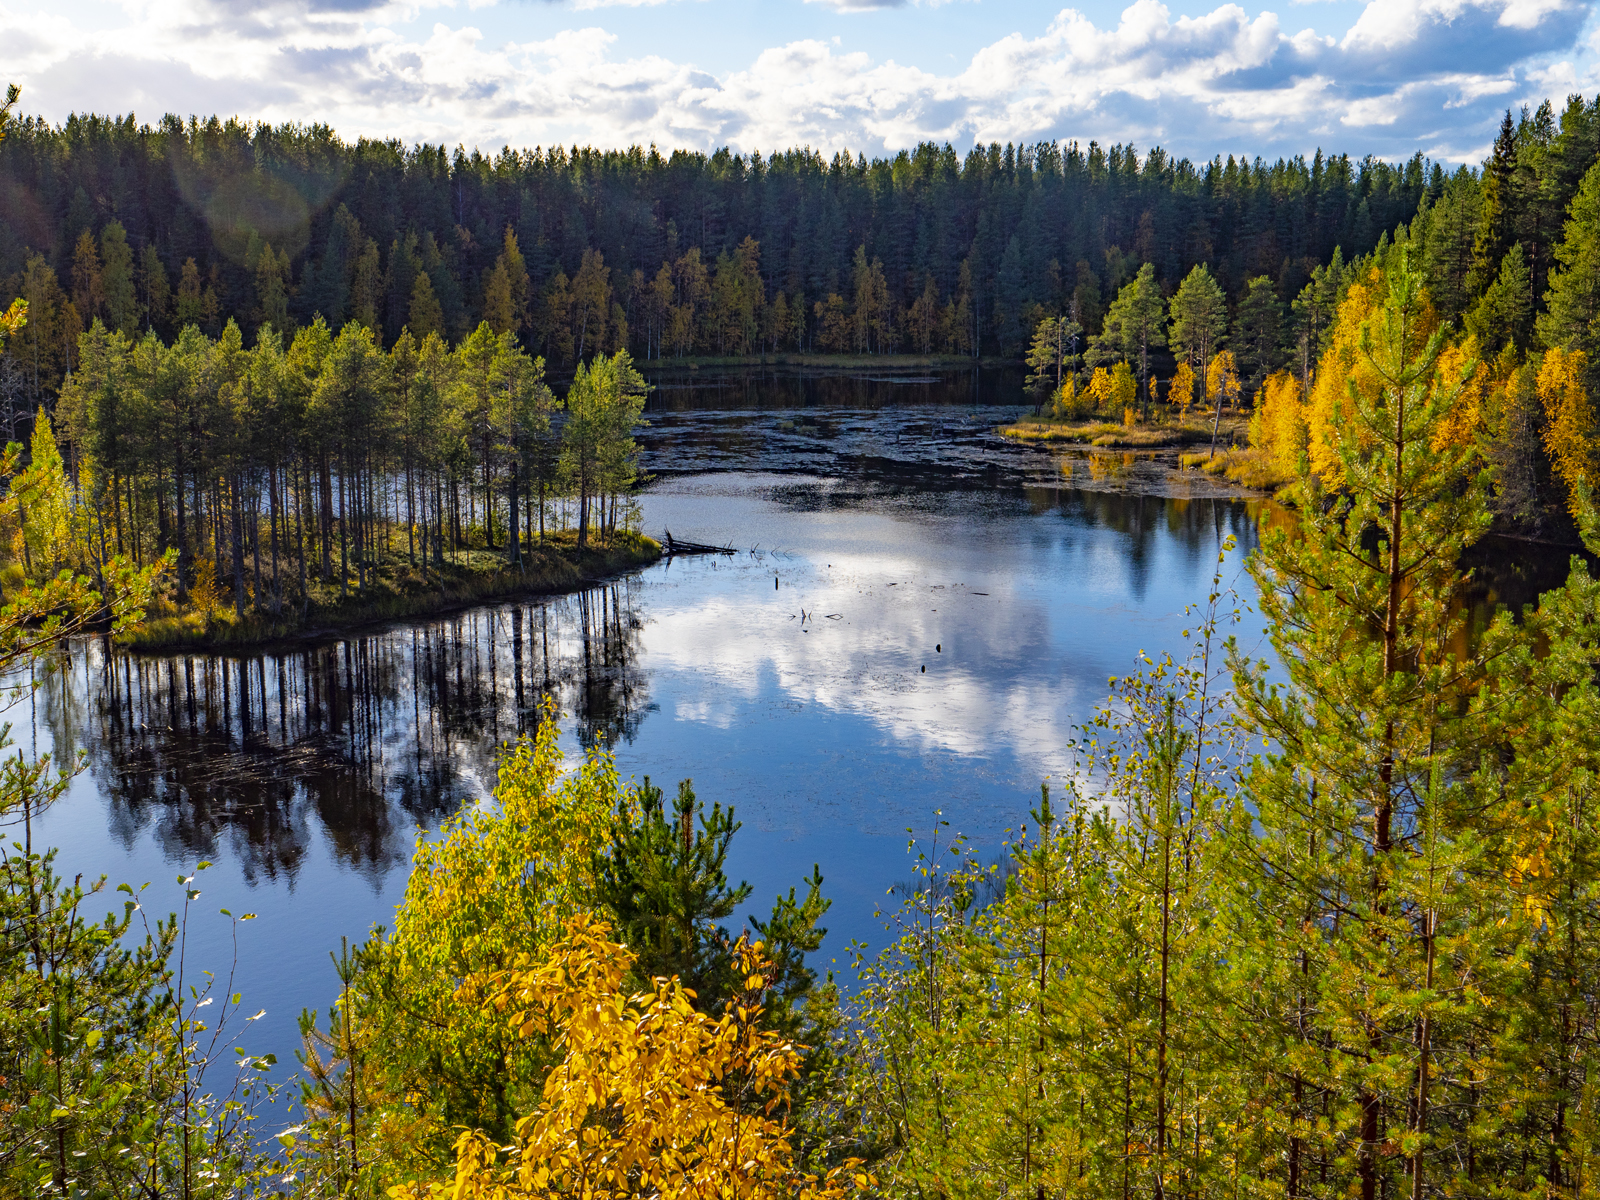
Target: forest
{"points": [[577, 250], [1327, 926]]}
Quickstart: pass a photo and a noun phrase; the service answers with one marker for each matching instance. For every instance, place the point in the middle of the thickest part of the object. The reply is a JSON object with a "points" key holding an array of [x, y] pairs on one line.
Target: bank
{"points": [[1223, 453], [397, 590], [886, 363]]}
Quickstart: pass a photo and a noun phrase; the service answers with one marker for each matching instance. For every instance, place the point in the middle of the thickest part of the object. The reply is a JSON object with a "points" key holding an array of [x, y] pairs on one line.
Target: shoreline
{"points": [[1113, 435], [846, 363], [556, 571], [1241, 466]]}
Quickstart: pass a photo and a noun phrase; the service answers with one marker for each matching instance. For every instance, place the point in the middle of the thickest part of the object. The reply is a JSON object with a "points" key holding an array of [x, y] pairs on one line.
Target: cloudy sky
{"points": [[1386, 77]]}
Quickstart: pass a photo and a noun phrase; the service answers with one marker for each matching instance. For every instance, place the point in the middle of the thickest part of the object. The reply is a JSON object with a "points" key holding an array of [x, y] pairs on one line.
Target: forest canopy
{"points": [[579, 250]]}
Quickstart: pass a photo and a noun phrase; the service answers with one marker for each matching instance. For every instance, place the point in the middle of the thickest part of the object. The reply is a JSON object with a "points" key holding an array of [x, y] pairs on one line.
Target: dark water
{"points": [[883, 530]]}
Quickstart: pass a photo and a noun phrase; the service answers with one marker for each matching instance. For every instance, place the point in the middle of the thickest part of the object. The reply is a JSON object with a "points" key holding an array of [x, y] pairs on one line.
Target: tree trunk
{"points": [[327, 519], [514, 530], [237, 538]]}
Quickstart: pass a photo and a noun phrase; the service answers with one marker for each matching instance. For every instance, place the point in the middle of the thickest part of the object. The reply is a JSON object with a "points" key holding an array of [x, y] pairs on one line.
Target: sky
{"points": [[1386, 77]]}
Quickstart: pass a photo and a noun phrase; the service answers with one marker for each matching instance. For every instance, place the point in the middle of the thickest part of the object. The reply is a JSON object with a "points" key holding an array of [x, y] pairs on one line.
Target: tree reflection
{"points": [[362, 739]]}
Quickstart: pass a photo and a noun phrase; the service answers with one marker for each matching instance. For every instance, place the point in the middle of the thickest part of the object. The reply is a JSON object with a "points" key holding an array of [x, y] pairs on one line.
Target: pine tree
{"points": [[1051, 356], [1199, 317], [157, 291], [88, 281], [272, 290], [121, 293], [1257, 334], [1133, 327], [425, 316], [1503, 315], [1357, 823]]}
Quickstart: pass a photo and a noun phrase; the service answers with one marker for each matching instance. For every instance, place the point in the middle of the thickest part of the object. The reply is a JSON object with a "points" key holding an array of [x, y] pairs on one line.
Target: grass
{"points": [[1248, 467], [395, 590], [1114, 434]]}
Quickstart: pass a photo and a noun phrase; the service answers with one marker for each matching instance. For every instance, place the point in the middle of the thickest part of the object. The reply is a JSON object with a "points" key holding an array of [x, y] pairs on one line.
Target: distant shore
{"points": [[831, 362], [400, 591]]}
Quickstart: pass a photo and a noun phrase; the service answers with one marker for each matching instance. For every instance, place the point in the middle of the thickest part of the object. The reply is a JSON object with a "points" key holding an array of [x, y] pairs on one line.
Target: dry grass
{"points": [[396, 590], [1106, 433], [1249, 468]]}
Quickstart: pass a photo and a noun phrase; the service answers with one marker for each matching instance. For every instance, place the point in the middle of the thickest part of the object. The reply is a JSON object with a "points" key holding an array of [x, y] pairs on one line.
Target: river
{"points": [[919, 616]]}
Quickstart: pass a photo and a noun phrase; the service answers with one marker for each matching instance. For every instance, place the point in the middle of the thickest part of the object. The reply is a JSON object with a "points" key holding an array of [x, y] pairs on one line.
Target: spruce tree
{"points": [[1496, 228], [1571, 320]]}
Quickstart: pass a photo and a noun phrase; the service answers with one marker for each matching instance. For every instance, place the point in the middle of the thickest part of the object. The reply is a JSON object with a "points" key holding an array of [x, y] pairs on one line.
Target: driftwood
{"points": [[674, 546]]}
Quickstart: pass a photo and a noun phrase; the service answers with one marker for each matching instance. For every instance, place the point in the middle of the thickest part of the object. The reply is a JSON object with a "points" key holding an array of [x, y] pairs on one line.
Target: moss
{"points": [[398, 590]]}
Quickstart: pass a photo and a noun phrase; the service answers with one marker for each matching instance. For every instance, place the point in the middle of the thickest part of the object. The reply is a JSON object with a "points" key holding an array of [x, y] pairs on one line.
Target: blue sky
{"points": [[1386, 77]]}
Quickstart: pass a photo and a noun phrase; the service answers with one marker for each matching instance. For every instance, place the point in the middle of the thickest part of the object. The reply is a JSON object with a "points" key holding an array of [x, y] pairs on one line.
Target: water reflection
{"points": [[941, 612], [778, 387], [365, 738]]}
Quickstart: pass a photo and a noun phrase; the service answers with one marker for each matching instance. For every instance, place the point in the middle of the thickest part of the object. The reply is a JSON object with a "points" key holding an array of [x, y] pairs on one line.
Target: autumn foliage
{"points": [[649, 1096], [1572, 435]]}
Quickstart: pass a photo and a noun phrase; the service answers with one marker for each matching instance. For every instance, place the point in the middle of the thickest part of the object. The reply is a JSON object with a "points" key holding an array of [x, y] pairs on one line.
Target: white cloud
{"points": [[1408, 72], [589, 5]]}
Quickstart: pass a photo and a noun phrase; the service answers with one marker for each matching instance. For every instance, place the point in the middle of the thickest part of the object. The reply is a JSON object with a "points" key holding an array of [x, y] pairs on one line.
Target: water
{"points": [[883, 530]]}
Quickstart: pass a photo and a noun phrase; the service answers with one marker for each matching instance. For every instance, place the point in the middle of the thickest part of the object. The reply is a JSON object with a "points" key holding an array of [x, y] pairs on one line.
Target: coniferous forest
{"points": [[1314, 916]]}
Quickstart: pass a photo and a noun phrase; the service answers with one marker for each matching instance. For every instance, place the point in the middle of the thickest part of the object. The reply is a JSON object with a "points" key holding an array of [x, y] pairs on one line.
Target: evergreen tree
{"points": [[1257, 334], [1199, 319], [1503, 315], [1133, 327], [1573, 302], [1359, 809], [1497, 209], [666, 881], [425, 316], [1051, 356], [121, 293]]}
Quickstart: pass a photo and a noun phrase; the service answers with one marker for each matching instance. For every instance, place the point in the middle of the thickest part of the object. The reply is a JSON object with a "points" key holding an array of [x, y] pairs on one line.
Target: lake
{"points": [[918, 617]]}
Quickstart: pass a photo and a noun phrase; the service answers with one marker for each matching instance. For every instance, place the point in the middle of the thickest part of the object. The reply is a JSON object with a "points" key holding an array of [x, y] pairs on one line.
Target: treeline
{"points": [[582, 250], [1509, 259], [298, 469]]}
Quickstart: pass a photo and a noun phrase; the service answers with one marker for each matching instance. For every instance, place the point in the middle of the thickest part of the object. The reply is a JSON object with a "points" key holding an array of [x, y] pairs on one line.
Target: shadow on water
{"points": [[776, 388], [365, 739]]}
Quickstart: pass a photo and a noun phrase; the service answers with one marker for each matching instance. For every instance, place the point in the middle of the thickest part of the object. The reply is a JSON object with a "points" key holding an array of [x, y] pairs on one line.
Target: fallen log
{"points": [[674, 547]]}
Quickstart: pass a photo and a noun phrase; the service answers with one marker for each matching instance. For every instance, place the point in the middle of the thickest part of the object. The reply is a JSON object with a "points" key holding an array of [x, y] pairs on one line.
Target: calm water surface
{"points": [[883, 530]]}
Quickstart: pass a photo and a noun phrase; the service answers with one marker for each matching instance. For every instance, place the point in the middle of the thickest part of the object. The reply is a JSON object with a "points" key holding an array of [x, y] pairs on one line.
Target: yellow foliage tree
{"points": [[44, 538], [1181, 392], [1064, 405], [1099, 388], [1114, 391], [1278, 427], [1222, 379], [1355, 344], [1571, 435], [1464, 424], [12, 320], [496, 886], [649, 1097]]}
